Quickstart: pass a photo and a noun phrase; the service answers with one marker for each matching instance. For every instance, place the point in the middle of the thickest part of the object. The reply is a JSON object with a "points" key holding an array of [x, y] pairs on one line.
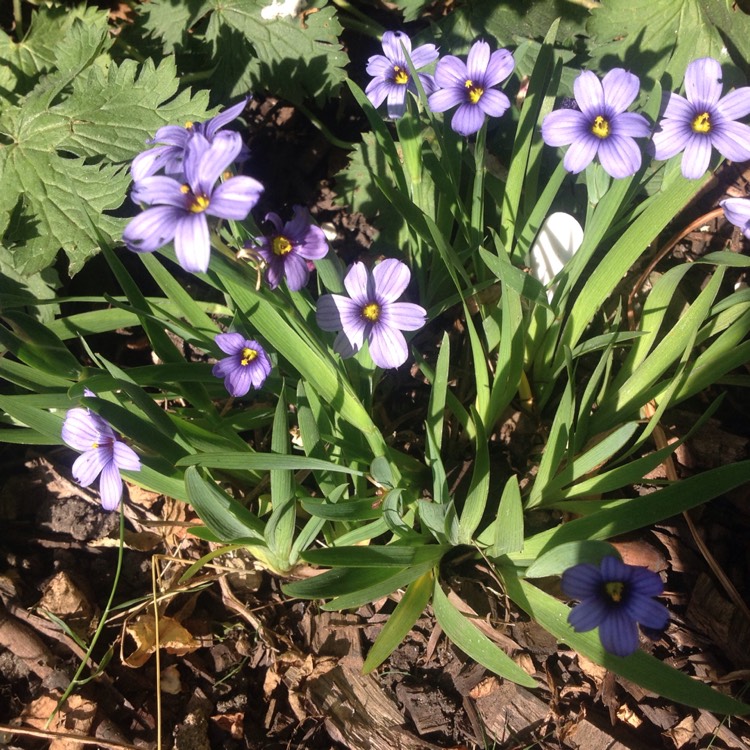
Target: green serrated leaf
{"points": [[656, 40], [295, 58], [112, 113]]}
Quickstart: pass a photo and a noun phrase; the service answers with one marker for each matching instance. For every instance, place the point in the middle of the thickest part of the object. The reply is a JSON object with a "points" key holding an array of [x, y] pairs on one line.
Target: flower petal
{"points": [[191, 243], [500, 66], [87, 467], [125, 458], [630, 124], [230, 343], [159, 190], [478, 60], [211, 164], [679, 108], [224, 118], [732, 141], [589, 94], [494, 103], [152, 229], [645, 582], [359, 284], [406, 316], [620, 156], [377, 90], [736, 104], [703, 84], [619, 633], [110, 487], [696, 157], [620, 89], [82, 429], [388, 347], [587, 615], [444, 99], [379, 66], [563, 126], [396, 102], [581, 153], [468, 119], [296, 272], [234, 198], [737, 211], [582, 581], [647, 611], [424, 55], [392, 41], [391, 278], [150, 162], [672, 138], [451, 71]]}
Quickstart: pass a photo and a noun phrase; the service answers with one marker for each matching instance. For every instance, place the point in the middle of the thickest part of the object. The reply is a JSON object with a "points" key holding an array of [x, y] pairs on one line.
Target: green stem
{"points": [[361, 21], [102, 622], [18, 18], [327, 134]]}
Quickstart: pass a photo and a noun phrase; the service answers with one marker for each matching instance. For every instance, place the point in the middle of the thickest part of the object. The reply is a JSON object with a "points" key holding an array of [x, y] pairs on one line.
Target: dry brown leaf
{"points": [[626, 714], [682, 733], [173, 638], [232, 723], [75, 717], [139, 541], [63, 597], [484, 688]]}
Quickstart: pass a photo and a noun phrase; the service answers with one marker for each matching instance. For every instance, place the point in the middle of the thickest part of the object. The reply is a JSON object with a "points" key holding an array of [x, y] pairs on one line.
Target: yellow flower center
{"points": [[371, 312], [400, 75], [248, 355], [600, 128], [702, 123], [94, 445], [188, 125], [475, 92], [281, 246], [614, 590], [198, 203]]}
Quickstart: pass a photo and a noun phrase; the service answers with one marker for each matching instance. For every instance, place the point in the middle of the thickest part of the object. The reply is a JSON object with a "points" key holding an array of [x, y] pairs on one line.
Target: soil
{"points": [[243, 666]]}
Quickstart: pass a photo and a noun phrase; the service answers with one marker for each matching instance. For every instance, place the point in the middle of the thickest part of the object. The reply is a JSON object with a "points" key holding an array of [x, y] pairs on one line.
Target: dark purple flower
{"points": [[370, 313], [737, 211], [704, 120], [246, 367], [180, 208], [288, 249], [391, 77], [170, 156], [600, 126], [468, 85], [102, 454], [616, 598]]}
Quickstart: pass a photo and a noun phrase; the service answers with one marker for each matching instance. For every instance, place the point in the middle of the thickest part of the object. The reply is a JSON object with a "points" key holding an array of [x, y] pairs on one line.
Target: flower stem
{"points": [[102, 622]]}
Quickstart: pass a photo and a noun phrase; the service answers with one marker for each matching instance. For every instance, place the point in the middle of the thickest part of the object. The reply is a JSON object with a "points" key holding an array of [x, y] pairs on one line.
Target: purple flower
{"points": [[391, 72], [288, 249], [180, 208], [737, 211], [370, 313], [170, 157], [469, 86], [102, 454], [600, 125], [615, 597], [246, 367], [704, 120]]}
